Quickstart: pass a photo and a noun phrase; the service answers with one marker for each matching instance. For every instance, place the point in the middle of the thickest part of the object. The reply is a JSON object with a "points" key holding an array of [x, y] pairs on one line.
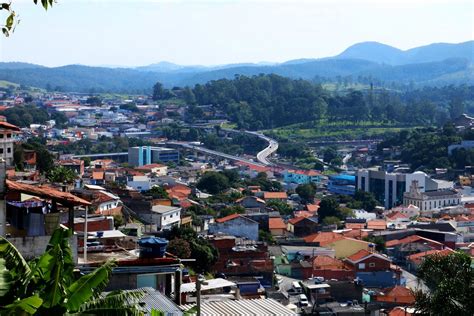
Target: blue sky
{"points": [[210, 32]]}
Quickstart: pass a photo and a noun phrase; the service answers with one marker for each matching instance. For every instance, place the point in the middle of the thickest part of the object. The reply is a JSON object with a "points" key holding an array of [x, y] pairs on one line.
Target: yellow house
{"points": [[346, 247]]}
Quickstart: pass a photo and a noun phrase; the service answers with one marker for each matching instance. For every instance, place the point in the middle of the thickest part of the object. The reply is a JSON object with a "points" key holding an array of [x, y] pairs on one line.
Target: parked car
{"points": [[303, 300]]}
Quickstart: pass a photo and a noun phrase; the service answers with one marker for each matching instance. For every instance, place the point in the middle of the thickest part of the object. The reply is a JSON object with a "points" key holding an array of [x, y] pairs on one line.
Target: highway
{"points": [[263, 155]]}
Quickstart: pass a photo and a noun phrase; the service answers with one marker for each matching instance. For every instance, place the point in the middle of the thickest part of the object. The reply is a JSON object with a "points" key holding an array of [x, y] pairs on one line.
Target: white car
{"points": [[303, 300]]}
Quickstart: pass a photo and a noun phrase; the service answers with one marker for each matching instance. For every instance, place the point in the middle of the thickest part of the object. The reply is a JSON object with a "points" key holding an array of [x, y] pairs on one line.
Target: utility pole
{"points": [[85, 235]]}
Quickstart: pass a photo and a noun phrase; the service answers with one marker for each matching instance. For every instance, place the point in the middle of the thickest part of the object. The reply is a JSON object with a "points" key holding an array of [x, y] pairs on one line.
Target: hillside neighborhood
{"points": [[239, 232]]}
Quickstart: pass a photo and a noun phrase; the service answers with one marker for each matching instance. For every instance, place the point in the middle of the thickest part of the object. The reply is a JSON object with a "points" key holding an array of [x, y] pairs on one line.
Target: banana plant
{"points": [[47, 285]]}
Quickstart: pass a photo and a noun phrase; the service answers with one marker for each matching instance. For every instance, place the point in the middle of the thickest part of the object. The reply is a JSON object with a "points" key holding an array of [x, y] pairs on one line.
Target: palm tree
{"points": [[48, 286]]}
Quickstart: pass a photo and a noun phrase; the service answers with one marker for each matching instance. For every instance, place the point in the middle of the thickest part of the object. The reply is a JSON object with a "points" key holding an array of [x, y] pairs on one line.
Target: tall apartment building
{"points": [[388, 188], [145, 155]]}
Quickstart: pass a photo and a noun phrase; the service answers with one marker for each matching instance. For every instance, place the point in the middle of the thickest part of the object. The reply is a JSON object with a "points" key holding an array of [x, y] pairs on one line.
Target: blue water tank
{"points": [[152, 247]]}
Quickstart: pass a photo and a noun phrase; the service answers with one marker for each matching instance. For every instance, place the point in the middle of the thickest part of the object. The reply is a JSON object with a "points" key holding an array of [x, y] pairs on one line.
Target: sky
{"points": [[213, 32]]}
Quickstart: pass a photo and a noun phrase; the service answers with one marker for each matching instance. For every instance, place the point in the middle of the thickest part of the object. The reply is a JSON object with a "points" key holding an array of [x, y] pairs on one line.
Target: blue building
{"points": [[145, 155], [342, 184], [302, 176]]}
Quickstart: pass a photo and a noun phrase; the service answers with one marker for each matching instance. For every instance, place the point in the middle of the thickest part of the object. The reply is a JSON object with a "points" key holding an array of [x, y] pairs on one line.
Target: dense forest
{"points": [[269, 101]]}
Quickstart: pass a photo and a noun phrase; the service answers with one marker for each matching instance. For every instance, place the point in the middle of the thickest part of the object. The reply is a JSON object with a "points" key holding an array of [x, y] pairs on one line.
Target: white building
{"points": [[430, 200], [164, 217]]}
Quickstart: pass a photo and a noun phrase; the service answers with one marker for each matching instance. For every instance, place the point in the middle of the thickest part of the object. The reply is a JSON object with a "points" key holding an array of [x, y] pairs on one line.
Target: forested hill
{"points": [[100, 79], [269, 101]]}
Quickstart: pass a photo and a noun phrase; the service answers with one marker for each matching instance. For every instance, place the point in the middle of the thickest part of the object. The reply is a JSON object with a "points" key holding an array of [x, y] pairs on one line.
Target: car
{"points": [[303, 300]]}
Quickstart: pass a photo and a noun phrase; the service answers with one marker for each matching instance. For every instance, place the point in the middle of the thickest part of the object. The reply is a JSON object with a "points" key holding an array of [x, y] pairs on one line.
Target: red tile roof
{"points": [[296, 220], [9, 126], [323, 238], [359, 255], [313, 208], [276, 223], [396, 215], [377, 224], [98, 175], [418, 257], [409, 240], [46, 192], [275, 195], [228, 218]]}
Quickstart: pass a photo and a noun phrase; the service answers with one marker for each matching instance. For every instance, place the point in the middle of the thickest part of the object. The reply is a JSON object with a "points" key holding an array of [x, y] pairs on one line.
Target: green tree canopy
{"points": [[450, 280], [213, 182]]}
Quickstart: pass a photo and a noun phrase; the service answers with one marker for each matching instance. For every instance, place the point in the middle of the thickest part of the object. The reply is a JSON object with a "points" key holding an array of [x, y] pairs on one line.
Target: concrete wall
{"points": [[31, 247]]}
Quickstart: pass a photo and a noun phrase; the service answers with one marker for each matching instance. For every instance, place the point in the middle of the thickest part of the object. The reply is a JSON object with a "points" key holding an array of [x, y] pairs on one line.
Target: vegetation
{"points": [[306, 192], [48, 284], [157, 192], [329, 207], [450, 279], [213, 182], [201, 250], [427, 149], [61, 174], [12, 20], [23, 116], [180, 248]]}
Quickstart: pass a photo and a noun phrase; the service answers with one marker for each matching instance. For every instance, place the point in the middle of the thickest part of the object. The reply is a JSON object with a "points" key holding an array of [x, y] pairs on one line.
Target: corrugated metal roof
{"points": [[154, 300], [211, 284], [256, 307]]}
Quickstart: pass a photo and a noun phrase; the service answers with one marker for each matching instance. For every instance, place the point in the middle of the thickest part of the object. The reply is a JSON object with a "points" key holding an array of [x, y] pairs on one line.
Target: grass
{"points": [[335, 130], [6, 84]]}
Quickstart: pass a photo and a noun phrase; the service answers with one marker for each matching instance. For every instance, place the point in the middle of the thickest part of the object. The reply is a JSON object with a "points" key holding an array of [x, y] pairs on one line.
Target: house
{"points": [[331, 268], [161, 216], [374, 269], [343, 246], [303, 226], [156, 168], [277, 226], [106, 203], [399, 295], [278, 196], [410, 211], [252, 202], [302, 176], [414, 260], [377, 224], [235, 225], [76, 165]]}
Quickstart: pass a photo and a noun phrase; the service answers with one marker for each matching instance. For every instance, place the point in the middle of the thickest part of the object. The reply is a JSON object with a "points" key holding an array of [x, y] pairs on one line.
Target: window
{"points": [[9, 135], [372, 264], [9, 150], [1, 135], [361, 266], [171, 216], [1, 150]]}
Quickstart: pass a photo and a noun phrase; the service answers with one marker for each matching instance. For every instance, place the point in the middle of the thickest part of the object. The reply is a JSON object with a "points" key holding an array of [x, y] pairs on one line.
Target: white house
{"points": [[165, 217]]}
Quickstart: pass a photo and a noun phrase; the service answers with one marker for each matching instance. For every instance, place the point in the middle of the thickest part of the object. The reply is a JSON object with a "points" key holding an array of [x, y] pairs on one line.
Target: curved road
{"points": [[263, 155]]}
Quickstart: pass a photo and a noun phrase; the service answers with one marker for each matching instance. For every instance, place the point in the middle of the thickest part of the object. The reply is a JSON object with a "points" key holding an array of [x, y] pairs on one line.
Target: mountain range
{"points": [[434, 64]]}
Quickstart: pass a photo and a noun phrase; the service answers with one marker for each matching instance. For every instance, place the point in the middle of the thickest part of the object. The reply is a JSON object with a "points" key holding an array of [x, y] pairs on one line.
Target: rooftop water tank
{"points": [[152, 247]]}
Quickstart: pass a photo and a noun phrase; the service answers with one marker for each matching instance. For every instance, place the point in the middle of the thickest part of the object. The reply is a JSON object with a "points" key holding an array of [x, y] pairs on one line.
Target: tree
{"points": [[61, 174], [281, 207], [180, 248], [11, 20], [332, 220], [160, 93], [265, 236], [328, 206], [306, 191], [232, 210], [201, 250], [158, 192], [450, 280], [213, 182], [48, 285], [329, 154]]}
